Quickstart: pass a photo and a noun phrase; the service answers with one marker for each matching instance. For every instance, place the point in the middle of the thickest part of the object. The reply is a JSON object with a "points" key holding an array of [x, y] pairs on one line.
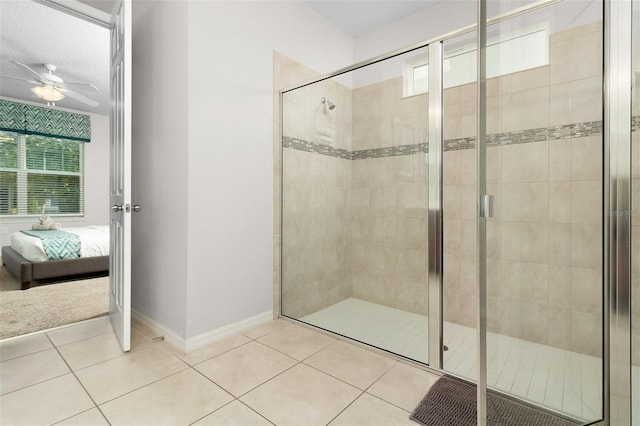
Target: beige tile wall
{"points": [[382, 117], [389, 199], [317, 197], [544, 244], [316, 225], [389, 231]]}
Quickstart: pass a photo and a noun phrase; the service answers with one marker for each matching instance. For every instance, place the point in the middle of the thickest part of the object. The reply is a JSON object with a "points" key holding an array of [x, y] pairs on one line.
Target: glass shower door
{"points": [[544, 161], [459, 216], [354, 204]]}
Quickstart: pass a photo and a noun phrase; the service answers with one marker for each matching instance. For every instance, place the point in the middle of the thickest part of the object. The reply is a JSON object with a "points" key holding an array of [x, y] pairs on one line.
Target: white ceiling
{"points": [[355, 17], [35, 34]]}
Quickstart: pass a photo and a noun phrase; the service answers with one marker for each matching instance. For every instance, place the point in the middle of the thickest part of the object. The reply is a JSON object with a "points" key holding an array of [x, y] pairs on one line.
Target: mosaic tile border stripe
{"points": [[567, 131], [390, 151], [302, 145]]}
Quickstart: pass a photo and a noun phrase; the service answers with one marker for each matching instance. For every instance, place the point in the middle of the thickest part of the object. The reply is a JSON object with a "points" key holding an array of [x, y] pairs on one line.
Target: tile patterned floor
{"points": [[563, 380], [279, 373]]}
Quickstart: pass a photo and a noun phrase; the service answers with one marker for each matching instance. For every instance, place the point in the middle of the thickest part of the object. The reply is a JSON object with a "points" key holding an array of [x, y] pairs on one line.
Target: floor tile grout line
{"points": [[364, 391], [255, 411], [237, 398], [124, 354], [187, 366], [396, 362], [384, 374], [270, 379], [211, 412], [193, 367], [23, 355], [145, 385], [45, 333], [82, 412], [304, 363], [346, 407], [71, 326], [35, 384], [290, 356], [214, 382], [98, 362], [270, 332], [345, 382], [283, 371], [80, 383], [391, 403], [227, 404], [216, 355], [225, 351]]}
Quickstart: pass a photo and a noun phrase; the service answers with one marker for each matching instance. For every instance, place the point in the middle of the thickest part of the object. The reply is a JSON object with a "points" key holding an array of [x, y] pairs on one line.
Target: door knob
{"points": [[136, 207], [116, 208]]}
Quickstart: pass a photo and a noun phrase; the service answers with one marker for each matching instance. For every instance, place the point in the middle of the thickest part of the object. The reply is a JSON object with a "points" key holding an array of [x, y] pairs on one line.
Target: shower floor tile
{"points": [[566, 381]]}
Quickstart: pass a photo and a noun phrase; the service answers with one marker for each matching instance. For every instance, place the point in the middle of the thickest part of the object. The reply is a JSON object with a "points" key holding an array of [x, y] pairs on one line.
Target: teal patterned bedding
{"points": [[58, 244]]}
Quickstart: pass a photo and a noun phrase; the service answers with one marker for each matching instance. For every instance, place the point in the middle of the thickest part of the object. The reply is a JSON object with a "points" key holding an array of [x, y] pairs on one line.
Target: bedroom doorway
{"points": [[91, 17]]}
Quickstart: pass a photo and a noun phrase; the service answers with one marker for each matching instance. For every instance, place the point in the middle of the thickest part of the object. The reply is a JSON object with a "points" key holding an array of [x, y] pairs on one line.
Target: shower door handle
{"points": [[486, 206]]}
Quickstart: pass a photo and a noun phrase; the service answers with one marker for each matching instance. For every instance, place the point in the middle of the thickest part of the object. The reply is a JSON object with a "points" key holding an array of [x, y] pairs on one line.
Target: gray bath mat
{"points": [[451, 402]]}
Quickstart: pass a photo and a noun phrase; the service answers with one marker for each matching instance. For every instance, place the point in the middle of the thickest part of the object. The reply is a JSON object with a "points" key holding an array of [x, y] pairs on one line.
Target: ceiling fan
{"points": [[51, 88]]}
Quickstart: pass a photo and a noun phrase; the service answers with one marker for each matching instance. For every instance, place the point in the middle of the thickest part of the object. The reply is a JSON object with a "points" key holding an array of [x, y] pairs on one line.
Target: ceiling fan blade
{"points": [[66, 83], [77, 96], [20, 79], [39, 77]]}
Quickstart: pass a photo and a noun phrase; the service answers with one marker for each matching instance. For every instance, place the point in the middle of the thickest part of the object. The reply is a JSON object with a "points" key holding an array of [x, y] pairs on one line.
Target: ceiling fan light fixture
{"points": [[47, 93]]}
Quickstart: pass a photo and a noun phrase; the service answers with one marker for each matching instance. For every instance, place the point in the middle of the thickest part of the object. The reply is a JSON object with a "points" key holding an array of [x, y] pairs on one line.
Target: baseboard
{"points": [[158, 329], [203, 339]]}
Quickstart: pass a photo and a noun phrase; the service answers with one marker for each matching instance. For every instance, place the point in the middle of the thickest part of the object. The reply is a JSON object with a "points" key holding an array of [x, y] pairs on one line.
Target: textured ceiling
{"points": [[35, 34]]}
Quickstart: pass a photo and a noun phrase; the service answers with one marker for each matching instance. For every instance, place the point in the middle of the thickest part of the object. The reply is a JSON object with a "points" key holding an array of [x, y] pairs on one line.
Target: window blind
{"points": [[40, 174]]}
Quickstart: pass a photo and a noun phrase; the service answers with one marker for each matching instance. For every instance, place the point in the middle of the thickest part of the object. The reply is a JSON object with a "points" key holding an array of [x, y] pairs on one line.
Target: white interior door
{"points": [[120, 175]]}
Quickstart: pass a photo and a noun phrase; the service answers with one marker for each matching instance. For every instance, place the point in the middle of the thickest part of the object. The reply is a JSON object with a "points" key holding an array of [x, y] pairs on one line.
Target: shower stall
{"points": [[401, 229]]}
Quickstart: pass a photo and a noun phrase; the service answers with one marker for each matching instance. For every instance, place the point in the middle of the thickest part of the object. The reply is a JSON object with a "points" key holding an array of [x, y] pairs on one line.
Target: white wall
{"points": [[202, 153], [96, 183], [449, 16], [230, 213], [159, 155], [203, 160]]}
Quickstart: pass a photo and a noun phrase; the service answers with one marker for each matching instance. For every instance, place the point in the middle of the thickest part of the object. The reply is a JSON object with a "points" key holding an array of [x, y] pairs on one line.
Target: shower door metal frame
{"points": [[617, 200], [612, 184], [481, 213], [434, 224]]}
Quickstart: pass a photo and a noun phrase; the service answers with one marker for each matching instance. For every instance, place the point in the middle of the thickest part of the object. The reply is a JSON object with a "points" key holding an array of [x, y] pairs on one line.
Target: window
{"points": [[416, 77], [505, 55], [40, 174]]}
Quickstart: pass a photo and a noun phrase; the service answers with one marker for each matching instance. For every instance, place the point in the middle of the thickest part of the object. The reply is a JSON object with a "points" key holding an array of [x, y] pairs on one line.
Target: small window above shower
{"points": [[526, 49]]}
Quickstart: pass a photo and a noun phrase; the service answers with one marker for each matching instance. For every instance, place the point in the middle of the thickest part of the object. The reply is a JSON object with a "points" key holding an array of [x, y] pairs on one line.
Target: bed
{"points": [[27, 258]]}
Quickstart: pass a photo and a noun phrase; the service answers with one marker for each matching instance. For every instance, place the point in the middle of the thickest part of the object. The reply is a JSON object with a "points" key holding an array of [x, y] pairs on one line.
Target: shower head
{"points": [[327, 103]]}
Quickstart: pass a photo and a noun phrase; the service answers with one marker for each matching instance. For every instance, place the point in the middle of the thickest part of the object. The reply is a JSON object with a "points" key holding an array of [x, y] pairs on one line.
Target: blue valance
{"points": [[35, 120]]}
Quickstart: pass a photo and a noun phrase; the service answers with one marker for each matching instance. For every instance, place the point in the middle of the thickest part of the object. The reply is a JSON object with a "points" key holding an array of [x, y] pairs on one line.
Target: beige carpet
{"points": [[51, 305]]}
